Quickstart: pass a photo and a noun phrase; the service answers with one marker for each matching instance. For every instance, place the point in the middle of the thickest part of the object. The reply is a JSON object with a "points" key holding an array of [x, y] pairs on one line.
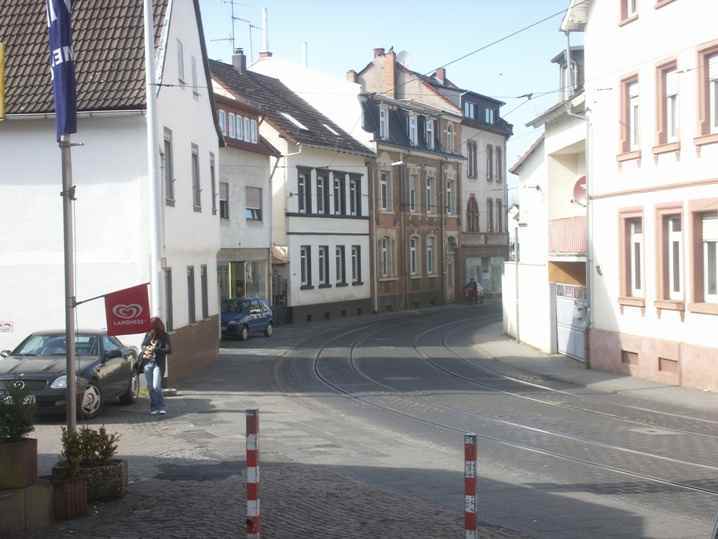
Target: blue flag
{"points": [[62, 64]]}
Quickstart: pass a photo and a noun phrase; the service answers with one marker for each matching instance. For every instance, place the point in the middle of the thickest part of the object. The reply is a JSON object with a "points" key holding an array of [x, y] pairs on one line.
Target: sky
{"points": [[341, 35]]}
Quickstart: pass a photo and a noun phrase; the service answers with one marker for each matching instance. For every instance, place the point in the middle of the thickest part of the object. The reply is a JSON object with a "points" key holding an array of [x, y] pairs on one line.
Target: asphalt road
{"points": [[555, 460]]}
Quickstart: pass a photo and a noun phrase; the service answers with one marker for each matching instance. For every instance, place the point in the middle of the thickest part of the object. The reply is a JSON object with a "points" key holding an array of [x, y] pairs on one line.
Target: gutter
{"points": [[80, 114]]}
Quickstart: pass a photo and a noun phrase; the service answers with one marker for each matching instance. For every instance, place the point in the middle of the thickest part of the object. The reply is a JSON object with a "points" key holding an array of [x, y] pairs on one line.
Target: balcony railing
{"points": [[568, 236]]}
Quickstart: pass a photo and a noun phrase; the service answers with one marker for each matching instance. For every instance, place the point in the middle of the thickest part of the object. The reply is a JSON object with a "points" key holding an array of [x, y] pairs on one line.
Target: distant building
{"points": [[652, 106], [110, 171]]}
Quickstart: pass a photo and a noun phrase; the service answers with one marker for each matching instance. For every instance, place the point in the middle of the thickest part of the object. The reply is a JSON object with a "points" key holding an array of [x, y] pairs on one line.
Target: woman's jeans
{"points": [[153, 377]]}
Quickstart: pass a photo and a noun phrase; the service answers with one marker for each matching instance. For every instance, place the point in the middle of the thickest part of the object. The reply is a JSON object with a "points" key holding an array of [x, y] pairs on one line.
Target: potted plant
{"points": [[18, 454], [106, 477], [70, 490]]}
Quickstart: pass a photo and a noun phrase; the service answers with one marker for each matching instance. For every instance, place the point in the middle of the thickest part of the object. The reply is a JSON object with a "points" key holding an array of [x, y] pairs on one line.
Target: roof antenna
{"points": [[305, 54]]}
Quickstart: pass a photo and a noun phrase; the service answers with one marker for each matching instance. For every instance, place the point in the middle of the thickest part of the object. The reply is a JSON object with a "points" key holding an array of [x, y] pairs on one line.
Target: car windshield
{"points": [[54, 345], [235, 306]]}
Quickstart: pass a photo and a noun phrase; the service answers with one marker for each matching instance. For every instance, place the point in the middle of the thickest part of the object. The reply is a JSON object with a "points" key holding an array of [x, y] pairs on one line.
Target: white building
{"points": [[545, 305], [651, 95], [110, 171], [320, 205]]}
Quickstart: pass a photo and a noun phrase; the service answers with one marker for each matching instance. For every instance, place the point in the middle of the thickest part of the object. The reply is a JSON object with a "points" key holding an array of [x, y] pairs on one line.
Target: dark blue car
{"points": [[243, 317]]}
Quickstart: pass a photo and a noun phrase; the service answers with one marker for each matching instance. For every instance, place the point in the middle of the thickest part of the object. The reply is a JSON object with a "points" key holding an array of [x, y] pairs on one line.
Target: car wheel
{"points": [[269, 330], [131, 395], [244, 333], [91, 404]]}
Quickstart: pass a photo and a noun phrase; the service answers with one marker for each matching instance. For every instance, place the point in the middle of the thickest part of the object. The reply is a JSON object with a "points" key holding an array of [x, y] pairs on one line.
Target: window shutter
{"points": [[254, 198]]}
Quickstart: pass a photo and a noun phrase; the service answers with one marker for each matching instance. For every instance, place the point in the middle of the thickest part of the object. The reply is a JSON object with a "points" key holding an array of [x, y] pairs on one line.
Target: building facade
{"points": [[110, 170], [414, 186], [652, 82], [320, 209]]}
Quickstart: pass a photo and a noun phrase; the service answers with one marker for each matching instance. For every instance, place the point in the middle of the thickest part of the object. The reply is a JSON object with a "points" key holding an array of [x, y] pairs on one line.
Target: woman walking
{"points": [[155, 348]]}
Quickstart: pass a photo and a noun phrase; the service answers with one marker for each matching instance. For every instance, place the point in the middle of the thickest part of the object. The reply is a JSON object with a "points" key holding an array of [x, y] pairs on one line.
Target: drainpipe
{"points": [[442, 227], [270, 273], [373, 174]]}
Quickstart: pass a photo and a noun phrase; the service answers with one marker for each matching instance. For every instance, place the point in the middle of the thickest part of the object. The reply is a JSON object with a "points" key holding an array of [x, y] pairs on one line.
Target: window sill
{"points": [[703, 308], [632, 302], [670, 305], [661, 3], [170, 202], [433, 276], [629, 156], [325, 285], [387, 279], [667, 148], [358, 283], [628, 20], [415, 276], [341, 285], [703, 140], [306, 287]]}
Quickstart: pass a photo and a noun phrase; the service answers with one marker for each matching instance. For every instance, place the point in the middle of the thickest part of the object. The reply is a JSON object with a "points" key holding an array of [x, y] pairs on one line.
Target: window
{"points": [[355, 195], [489, 116], [450, 138], [205, 291], [470, 110], [195, 84], [196, 187], [412, 255], [713, 82], [630, 134], [330, 129], [223, 200], [213, 182], [568, 80], [341, 265], [450, 197], [668, 112], [322, 194], [412, 129], [340, 203], [246, 129], [413, 180], [306, 266], [356, 264], [190, 295], [387, 260], [489, 162], [629, 9], [239, 127], [253, 211], [385, 191], [499, 216], [222, 121], [383, 121], [499, 164], [169, 318], [635, 257], [672, 257], [710, 257], [430, 133], [232, 129], [169, 169], [253, 125], [490, 215], [471, 155], [323, 265], [472, 215], [180, 63], [304, 191], [294, 121], [429, 194], [430, 256]]}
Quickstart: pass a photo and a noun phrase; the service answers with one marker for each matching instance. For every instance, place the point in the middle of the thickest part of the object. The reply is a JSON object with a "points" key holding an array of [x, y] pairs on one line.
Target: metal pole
{"points": [[152, 169], [68, 195], [518, 336], [254, 525], [471, 459]]}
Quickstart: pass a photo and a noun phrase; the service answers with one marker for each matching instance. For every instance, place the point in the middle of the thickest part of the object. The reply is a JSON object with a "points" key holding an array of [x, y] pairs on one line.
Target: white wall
{"points": [[612, 53], [191, 238], [535, 306], [112, 241]]}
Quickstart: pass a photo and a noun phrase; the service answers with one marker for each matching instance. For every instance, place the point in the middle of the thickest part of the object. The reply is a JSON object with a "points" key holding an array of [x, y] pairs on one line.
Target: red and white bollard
{"points": [[254, 526], [470, 471]]}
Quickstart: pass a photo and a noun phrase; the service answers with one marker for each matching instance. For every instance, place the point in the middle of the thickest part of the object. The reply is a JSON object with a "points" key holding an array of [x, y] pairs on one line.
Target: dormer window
{"points": [[430, 133], [383, 121], [413, 139], [294, 121], [569, 81], [450, 138], [489, 116], [470, 110]]}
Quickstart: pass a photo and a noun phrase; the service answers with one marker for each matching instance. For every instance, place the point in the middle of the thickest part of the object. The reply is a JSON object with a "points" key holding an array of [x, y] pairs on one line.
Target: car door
{"points": [[254, 316], [114, 367]]}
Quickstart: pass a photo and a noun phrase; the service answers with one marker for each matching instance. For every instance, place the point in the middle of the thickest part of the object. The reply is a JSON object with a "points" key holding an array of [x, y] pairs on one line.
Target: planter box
{"points": [[106, 482], [70, 498], [18, 463]]}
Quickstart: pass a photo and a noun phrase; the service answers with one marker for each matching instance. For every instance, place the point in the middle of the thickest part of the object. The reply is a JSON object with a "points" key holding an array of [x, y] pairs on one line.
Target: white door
{"points": [[571, 308]]}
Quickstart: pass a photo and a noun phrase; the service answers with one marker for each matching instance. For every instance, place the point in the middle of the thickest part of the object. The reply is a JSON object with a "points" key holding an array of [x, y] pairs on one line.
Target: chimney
{"points": [[379, 52], [239, 61], [389, 75], [351, 75], [264, 53], [440, 75]]}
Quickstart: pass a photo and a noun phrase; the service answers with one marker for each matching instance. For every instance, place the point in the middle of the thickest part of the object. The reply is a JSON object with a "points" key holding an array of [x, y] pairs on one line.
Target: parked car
{"points": [[243, 317], [105, 370]]}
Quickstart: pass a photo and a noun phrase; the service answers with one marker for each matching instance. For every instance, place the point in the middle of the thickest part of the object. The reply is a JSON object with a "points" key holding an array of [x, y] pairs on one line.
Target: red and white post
{"points": [[471, 457], [254, 526]]}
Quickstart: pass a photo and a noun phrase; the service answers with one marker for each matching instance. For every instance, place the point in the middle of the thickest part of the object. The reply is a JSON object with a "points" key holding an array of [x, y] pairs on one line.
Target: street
{"points": [[361, 430]]}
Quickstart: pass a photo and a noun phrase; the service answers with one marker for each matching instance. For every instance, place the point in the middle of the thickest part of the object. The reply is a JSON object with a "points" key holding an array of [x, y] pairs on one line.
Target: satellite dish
{"points": [[579, 191], [403, 58]]}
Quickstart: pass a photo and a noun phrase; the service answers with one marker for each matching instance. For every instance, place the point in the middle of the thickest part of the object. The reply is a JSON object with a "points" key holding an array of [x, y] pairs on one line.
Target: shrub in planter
{"points": [[18, 454], [106, 477], [70, 490]]}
